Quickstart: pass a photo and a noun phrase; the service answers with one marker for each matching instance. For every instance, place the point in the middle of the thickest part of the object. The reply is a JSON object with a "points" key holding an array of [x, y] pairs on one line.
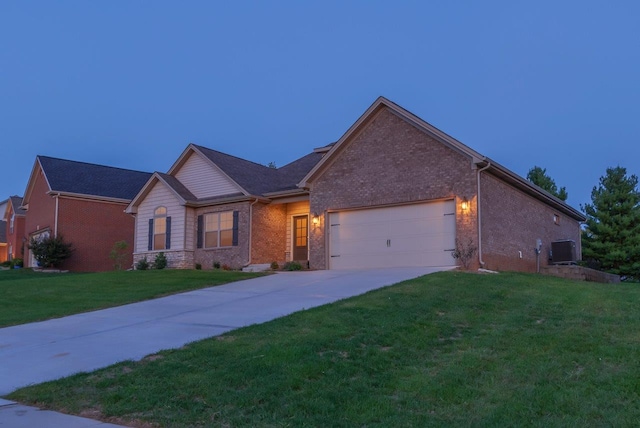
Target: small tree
{"points": [[611, 239], [539, 177], [50, 251], [118, 254]]}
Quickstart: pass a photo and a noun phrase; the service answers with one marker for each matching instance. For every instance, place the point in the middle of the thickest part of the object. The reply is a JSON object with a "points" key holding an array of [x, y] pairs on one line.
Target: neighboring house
{"points": [[15, 222], [84, 203], [3, 236], [392, 191]]}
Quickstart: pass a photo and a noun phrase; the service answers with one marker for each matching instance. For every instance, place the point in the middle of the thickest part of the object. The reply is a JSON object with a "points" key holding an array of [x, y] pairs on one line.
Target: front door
{"points": [[300, 237]]}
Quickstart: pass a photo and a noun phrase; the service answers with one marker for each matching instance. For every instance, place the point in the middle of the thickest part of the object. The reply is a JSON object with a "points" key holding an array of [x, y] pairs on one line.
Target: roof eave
{"points": [[525, 185], [223, 201], [402, 113]]}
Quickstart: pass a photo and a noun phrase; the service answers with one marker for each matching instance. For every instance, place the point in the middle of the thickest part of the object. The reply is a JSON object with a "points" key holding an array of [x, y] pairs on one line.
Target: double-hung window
{"points": [[159, 230], [218, 229]]}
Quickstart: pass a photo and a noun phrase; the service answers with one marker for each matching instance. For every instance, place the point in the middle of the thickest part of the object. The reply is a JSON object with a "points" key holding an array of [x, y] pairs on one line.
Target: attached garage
{"points": [[407, 235]]}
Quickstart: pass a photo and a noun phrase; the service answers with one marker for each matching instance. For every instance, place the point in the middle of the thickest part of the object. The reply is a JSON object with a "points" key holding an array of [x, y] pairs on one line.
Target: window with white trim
{"points": [[160, 228], [218, 229]]}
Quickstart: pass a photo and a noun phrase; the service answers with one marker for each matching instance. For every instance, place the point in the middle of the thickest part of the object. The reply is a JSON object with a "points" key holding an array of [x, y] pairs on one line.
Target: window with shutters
{"points": [[160, 228], [218, 229]]}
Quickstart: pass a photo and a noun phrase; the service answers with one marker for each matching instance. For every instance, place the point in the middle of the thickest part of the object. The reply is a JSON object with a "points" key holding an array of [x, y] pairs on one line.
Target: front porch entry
{"points": [[300, 237]]}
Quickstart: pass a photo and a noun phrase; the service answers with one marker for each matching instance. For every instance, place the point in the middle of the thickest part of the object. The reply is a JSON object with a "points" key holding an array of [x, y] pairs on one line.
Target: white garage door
{"points": [[408, 235]]}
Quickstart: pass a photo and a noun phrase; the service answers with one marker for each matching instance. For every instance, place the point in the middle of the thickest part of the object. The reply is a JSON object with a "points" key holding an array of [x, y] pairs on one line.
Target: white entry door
{"points": [[408, 235]]}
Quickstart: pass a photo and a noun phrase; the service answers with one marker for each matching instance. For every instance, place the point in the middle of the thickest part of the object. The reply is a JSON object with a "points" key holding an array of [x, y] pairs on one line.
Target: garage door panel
{"points": [[410, 235]]}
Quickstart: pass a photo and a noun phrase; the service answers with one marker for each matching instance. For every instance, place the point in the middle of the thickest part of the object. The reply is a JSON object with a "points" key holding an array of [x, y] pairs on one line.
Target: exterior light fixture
{"points": [[464, 204], [315, 219]]}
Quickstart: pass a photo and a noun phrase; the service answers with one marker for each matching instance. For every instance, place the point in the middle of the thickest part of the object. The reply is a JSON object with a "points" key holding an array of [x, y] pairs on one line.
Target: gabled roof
{"points": [[16, 203], [475, 158], [86, 179], [254, 178]]}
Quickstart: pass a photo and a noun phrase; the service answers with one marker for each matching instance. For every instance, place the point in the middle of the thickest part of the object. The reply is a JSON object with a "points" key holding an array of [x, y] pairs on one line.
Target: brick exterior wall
{"points": [[93, 227], [41, 212], [512, 221], [16, 240], [235, 257], [389, 162], [269, 233]]}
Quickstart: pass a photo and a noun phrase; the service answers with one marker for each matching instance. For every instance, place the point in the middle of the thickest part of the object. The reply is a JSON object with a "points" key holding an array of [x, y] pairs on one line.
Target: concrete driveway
{"points": [[48, 350]]}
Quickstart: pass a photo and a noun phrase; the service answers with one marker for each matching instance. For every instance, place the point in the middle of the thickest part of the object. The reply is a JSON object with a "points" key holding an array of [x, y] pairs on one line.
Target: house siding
{"points": [[180, 255], [158, 196], [93, 227], [203, 179], [391, 162], [41, 212], [512, 221]]}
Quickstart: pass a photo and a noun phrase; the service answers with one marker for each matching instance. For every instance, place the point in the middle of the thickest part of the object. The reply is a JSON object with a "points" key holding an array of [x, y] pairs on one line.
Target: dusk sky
{"points": [[131, 83]]}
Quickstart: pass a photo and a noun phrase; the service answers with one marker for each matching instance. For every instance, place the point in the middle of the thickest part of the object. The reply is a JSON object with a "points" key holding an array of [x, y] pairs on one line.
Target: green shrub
{"points": [[17, 262], [142, 264], [275, 266], [160, 261], [198, 266], [291, 266], [50, 251], [216, 265]]}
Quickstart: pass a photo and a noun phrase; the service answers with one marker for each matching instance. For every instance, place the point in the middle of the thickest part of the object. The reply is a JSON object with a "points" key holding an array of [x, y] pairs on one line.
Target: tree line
{"points": [[611, 233]]}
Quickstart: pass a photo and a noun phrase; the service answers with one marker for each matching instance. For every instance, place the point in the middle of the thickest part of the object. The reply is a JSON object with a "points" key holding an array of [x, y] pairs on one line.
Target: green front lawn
{"points": [[27, 296], [449, 349]]}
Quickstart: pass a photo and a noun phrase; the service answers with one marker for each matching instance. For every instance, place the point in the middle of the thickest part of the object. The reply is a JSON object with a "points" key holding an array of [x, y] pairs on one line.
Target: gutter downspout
{"points": [[250, 229], [480, 216], [55, 224]]}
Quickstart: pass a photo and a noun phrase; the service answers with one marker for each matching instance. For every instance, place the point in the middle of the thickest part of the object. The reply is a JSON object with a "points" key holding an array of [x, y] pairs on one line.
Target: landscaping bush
{"points": [[50, 251], [160, 261], [216, 265], [142, 264], [275, 266], [198, 266], [291, 266]]}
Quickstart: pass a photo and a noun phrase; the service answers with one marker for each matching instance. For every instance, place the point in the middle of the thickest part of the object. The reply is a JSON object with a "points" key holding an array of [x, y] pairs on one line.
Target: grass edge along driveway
{"points": [[447, 349], [29, 296]]}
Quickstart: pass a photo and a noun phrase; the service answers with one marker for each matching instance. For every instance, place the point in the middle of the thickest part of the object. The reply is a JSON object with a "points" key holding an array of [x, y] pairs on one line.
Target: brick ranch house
{"points": [[392, 191], [84, 203], [15, 218]]}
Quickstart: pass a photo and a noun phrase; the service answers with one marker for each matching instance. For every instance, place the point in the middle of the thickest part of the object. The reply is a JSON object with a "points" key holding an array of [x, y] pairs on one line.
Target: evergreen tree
{"points": [[611, 238], [539, 177]]}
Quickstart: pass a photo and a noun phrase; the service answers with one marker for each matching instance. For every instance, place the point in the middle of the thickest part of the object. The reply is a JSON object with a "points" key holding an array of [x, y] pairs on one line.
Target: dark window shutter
{"points": [[235, 228], [168, 239], [199, 232], [150, 246]]}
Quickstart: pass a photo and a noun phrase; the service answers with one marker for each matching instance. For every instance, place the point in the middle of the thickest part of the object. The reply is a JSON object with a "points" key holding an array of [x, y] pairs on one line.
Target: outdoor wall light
{"points": [[315, 219], [464, 204]]}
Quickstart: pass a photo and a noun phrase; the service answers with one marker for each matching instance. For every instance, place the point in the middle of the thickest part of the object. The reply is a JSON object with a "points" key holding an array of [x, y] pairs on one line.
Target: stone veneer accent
{"points": [[176, 259]]}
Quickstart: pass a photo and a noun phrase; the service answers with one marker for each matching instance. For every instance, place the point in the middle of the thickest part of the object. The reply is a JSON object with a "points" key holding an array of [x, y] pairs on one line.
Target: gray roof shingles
{"points": [[259, 179], [16, 202], [90, 179]]}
